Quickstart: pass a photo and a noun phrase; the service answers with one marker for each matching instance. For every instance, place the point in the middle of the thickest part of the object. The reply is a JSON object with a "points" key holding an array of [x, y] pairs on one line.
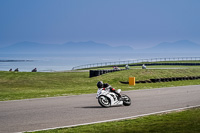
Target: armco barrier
{"points": [[138, 62], [95, 73], [175, 64]]}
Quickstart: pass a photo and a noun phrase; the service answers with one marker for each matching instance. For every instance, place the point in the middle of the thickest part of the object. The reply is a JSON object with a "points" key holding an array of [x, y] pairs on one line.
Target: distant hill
{"points": [[182, 46], [70, 47]]}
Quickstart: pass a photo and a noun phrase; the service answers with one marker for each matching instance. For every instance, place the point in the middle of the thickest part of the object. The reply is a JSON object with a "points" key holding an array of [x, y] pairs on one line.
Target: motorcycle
{"points": [[108, 99]]}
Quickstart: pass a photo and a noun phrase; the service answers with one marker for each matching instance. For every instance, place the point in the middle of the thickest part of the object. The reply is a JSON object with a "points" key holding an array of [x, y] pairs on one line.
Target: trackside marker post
{"points": [[131, 80]]}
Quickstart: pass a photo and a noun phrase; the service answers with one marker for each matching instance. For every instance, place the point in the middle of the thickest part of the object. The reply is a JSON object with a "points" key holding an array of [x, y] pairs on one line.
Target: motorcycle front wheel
{"points": [[126, 100], [104, 101]]}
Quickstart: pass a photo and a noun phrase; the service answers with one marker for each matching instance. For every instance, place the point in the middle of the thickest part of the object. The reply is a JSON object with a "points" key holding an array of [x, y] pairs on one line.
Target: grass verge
{"points": [[25, 85], [187, 121]]}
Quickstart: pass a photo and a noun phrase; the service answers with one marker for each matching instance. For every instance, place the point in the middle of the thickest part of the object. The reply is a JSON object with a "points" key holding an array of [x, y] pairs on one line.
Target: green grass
{"points": [[187, 121], [21, 85], [25, 85], [186, 61]]}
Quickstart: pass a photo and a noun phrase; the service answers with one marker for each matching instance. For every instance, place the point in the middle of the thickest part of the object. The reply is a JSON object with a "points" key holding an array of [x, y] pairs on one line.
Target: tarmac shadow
{"points": [[97, 107], [90, 107]]}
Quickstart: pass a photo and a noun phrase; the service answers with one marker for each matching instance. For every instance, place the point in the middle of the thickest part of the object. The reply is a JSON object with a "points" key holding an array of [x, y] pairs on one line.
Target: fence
{"points": [[117, 63], [94, 73]]}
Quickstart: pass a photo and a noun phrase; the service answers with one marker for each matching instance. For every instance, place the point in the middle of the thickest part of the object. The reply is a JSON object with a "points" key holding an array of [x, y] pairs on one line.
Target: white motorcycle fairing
{"points": [[108, 96]]}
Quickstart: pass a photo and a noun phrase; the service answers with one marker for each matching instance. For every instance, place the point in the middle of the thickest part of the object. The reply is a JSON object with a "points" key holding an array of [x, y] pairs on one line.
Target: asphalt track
{"points": [[65, 111]]}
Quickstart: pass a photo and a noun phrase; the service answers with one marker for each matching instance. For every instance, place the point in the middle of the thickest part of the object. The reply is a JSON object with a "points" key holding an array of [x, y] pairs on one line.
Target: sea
{"points": [[65, 62]]}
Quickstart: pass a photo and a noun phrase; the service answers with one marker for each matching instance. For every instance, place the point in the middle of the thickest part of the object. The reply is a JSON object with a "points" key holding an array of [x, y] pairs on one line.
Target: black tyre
{"points": [[126, 100], [104, 101]]}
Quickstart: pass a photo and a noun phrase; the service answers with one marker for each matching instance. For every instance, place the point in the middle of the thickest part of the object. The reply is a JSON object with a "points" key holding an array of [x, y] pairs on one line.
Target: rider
{"points": [[106, 86]]}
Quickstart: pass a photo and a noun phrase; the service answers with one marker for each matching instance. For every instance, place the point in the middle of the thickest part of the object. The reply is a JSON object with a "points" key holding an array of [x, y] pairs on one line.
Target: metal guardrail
{"points": [[115, 63]]}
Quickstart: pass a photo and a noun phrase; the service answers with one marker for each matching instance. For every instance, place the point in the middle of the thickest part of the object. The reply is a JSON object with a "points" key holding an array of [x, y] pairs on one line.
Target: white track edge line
{"points": [[117, 119]]}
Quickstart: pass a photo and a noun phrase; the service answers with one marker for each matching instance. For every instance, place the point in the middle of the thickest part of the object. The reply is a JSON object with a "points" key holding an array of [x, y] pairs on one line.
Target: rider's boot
{"points": [[119, 98]]}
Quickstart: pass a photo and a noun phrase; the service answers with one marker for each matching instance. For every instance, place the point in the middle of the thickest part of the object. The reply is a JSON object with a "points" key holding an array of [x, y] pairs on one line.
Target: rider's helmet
{"points": [[100, 84]]}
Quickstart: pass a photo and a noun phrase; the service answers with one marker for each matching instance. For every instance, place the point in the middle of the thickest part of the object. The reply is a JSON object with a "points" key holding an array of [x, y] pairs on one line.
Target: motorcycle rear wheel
{"points": [[104, 101]]}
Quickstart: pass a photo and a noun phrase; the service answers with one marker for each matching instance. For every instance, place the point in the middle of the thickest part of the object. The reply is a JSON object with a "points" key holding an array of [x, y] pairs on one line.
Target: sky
{"points": [[136, 23]]}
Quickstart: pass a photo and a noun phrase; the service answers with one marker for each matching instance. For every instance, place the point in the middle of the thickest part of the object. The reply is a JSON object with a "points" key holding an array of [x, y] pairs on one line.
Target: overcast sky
{"points": [[137, 23]]}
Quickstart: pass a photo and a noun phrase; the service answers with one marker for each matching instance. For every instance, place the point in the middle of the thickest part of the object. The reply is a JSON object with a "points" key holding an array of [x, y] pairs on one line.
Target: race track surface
{"points": [[43, 113]]}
